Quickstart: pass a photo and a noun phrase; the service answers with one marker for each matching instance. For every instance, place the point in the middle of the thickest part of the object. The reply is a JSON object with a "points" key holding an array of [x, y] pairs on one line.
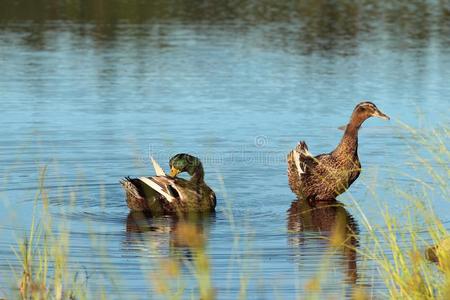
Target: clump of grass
{"points": [[398, 249], [44, 257], [32, 283]]}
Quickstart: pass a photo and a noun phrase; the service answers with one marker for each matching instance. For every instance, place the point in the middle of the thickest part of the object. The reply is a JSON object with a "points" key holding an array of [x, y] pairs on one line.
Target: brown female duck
{"points": [[169, 194], [324, 177]]}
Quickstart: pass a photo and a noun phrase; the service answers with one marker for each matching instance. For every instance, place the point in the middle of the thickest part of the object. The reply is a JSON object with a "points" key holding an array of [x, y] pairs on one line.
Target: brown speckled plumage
{"points": [[324, 177]]}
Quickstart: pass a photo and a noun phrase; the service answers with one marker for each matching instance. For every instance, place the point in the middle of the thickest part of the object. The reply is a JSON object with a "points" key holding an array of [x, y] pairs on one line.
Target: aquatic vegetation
{"points": [[398, 249], [43, 254]]}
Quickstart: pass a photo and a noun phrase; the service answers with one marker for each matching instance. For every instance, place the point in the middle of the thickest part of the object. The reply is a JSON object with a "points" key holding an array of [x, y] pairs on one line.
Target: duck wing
{"points": [[151, 187], [163, 194], [163, 185]]}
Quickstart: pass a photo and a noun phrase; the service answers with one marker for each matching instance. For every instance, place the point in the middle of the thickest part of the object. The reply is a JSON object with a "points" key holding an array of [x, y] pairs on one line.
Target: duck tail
{"points": [[129, 187], [298, 161]]}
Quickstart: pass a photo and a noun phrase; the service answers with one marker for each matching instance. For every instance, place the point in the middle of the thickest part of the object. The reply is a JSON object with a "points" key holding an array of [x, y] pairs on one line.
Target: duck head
{"points": [[366, 109], [362, 112], [184, 162]]}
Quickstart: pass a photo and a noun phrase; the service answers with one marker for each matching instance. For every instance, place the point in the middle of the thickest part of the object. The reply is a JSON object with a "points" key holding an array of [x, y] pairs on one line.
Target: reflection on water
{"points": [[306, 25], [186, 237], [332, 222], [179, 234]]}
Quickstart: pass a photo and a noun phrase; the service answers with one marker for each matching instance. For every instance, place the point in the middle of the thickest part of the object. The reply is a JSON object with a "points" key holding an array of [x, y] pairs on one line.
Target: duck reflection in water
{"points": [[332, 222], [181, 235]]}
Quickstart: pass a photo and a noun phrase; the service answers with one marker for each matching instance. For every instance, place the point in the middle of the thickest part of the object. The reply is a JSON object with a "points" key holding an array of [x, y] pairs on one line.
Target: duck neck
{"points": [[349, 141], [198, 176]]}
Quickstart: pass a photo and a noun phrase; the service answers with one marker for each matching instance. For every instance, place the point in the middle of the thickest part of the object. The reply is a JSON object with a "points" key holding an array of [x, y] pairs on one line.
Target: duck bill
{"points": [[380, 115], [174, 172]]}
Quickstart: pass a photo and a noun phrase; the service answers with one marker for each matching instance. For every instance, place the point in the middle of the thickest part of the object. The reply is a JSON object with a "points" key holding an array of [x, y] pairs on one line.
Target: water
{"points": [[91, 89]]}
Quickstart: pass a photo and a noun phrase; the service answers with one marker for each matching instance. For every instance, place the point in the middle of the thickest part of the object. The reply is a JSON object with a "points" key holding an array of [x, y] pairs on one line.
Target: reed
{"points": [[43, 254], [402, 251]]}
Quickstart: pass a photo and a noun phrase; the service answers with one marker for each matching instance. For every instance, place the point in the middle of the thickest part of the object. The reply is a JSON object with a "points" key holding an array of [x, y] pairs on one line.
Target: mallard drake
{"points": [[325, 176], [164, 194]]}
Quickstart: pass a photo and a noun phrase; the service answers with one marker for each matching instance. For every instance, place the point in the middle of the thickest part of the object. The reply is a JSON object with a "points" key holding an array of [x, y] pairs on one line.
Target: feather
{"points": [[130, 187], [155, 186], [296, 156], [159, 171]]}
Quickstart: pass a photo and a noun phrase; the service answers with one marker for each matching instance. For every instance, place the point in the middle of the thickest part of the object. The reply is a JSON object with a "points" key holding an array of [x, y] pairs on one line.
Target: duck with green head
{"points": [[164, 194], [325, 176]]}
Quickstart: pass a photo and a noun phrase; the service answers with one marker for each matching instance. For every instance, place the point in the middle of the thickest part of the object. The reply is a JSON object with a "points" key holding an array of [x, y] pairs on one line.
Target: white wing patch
{"points": [[297, 163], [157, 188], [308, 153], [158, 170]]}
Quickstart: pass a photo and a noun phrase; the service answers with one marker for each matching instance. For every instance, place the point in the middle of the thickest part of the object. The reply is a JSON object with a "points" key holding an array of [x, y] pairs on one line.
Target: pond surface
{"points": [[92, 89]]}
